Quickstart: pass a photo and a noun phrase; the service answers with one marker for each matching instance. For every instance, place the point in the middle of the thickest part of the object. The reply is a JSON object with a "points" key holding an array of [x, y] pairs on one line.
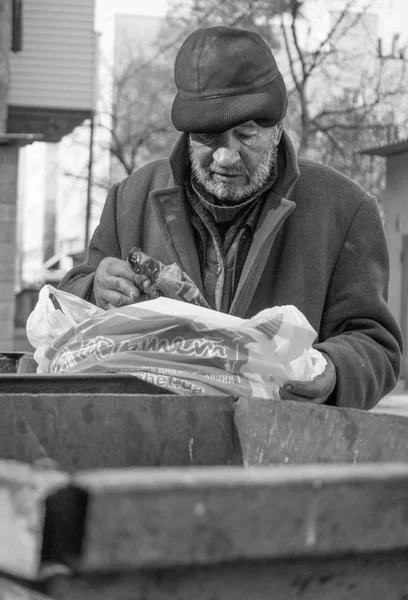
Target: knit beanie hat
{"points": [[226, 76]]}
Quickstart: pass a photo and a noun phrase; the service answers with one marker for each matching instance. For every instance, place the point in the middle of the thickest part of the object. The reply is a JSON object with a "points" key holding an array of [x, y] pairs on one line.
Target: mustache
{"points": [[214, 168]]}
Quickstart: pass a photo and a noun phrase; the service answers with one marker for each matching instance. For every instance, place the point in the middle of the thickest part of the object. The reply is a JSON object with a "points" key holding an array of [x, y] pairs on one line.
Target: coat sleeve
{"points": [[104, 242], [358, 331]]}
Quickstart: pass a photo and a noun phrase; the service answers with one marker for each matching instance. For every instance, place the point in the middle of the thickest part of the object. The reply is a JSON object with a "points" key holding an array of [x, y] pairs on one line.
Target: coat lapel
{"points": [[173, 215], [174, 221], [274, 214]]}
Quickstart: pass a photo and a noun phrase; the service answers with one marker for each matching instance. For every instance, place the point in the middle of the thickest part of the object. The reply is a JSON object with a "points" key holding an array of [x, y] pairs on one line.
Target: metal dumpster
{"points": [[105, 430], [108, 525], [110, 420]]}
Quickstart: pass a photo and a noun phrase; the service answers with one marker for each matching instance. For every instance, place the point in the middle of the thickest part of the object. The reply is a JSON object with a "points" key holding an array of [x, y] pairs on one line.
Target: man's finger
{"points": [[308, 389], [112, 299], [141, 281], [122, 285], [120, 268], [285, 395]]}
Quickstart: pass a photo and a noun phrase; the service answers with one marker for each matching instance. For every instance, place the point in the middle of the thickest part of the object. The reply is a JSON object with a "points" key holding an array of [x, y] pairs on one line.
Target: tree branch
{"points": [[101, 183], [291, 58], [319, 55], [295, 12]]}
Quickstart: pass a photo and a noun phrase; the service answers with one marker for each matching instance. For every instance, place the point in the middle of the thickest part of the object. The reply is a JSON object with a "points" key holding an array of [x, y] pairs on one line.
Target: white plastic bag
{"points": [[184, 348], [47, 322]]}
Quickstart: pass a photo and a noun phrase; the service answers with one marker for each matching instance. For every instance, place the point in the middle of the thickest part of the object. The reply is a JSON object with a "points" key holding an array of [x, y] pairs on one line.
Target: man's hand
{"points": [[316, 391], [117, 285]]}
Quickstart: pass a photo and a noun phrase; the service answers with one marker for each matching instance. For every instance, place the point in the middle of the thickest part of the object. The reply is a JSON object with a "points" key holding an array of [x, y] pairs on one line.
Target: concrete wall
{"points": [[31, 190], [396, 225]]}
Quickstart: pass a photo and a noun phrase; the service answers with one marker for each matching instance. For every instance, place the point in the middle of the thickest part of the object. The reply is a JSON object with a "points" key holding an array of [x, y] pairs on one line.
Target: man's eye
{"points": [[247, 138], [207, 138]]}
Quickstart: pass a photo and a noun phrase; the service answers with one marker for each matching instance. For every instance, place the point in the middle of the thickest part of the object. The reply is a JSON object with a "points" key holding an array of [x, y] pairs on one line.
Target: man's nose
{"points": [[227, 152]]}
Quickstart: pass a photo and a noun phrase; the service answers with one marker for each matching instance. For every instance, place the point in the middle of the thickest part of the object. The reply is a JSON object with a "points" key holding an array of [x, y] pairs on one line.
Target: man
{"points": [[253, 226]]}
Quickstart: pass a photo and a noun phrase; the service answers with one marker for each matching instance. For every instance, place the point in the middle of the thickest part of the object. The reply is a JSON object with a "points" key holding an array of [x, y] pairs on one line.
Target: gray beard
{"points": [[266, 171]]}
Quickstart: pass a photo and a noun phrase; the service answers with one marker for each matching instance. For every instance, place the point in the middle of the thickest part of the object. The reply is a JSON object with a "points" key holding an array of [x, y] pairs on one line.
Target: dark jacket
{"points": [[319, 245]]}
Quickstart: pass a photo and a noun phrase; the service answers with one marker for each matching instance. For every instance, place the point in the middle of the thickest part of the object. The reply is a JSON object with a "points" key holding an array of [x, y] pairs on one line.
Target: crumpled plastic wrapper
{"points": [[166, 280]]}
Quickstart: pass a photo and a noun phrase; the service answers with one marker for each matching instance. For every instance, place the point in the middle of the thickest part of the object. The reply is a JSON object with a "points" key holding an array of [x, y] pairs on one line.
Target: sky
{"points": [[105, 9], [396, 18], [396, 14]]}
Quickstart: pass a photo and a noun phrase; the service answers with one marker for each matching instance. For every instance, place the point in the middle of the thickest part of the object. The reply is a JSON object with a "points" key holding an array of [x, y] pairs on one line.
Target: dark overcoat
{"points": [[319, 244]]}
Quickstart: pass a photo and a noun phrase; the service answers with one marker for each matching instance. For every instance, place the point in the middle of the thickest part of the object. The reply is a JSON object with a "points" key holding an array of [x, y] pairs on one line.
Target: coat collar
{"points": [[180, 161], [173, 214], [288, 168]]}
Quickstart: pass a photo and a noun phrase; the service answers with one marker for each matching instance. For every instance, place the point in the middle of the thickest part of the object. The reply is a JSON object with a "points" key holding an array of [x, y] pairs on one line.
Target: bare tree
{"points": [[249, 14], [141, 129], [344, 95], [132, 125]]}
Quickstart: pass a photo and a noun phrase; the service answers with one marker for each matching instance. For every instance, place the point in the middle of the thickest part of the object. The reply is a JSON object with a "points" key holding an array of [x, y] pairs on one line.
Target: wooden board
{"points": [[23, 492], [83, 431], [157, 518], [367, 577], [284, 432], [207, 534]]}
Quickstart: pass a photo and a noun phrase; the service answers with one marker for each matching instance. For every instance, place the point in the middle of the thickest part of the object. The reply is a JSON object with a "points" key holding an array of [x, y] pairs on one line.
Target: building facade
{"points": [[395, 208], [47, 88]]}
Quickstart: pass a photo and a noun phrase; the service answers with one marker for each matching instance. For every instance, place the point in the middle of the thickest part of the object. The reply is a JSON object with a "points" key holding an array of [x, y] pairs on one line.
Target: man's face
{"points": [[235, 164]]}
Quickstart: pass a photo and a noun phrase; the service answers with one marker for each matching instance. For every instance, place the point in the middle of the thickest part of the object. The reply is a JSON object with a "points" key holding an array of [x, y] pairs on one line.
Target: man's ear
{"points": [[277, 133]]}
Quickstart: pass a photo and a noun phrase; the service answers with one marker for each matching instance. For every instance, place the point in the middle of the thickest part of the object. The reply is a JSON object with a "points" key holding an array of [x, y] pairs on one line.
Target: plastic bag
{"points": [[185, 348], [54, 314]]}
